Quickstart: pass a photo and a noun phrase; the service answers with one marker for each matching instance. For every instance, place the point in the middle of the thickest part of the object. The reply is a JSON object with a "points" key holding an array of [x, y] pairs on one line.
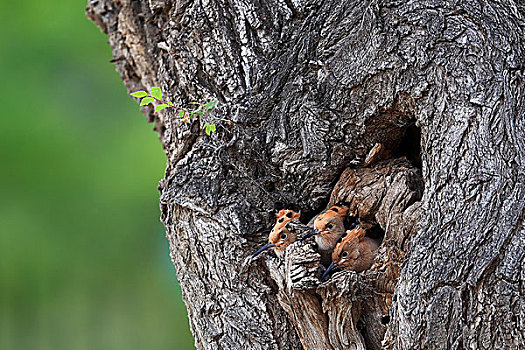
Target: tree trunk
{"points": [[311, 87]]}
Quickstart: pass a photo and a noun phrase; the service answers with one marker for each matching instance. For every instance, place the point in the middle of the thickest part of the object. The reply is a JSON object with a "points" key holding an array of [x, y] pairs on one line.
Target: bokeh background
{"points": [[84, 261]]}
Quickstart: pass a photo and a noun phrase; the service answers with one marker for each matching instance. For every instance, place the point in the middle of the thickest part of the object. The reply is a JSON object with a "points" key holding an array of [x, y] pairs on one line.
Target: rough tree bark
{"points": [[311, 86]]}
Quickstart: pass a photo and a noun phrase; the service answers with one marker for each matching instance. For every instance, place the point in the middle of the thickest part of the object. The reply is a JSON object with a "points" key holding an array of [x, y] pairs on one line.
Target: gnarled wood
{"points": [[326, 315]]}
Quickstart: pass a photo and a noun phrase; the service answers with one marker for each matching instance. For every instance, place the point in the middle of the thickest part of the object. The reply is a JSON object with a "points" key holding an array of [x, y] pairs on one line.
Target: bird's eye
{"points": [[284, 236], [281, 220], [344, 255], [330, 226]]}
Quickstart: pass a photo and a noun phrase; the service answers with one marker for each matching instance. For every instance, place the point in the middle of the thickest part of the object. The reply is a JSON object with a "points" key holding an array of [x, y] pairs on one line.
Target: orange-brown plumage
{"points": [[354, 251], [280, 237], [329, 227], [284, 216]]}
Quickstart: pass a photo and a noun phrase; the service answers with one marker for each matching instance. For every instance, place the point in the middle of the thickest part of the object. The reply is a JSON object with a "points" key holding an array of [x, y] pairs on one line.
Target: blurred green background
{"points": [[84, 261]]}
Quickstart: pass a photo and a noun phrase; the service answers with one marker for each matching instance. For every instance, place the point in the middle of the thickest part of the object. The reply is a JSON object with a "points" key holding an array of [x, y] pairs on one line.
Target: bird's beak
{"points": [[310, 234], [332, 265], [266, 246]]}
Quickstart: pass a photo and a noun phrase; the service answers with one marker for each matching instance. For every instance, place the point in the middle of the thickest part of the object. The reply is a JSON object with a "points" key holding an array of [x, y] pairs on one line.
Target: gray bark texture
{"points": [[412, 111]]}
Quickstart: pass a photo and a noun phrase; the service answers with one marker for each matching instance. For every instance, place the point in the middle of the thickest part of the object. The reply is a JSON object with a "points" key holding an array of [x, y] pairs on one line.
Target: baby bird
{"points": [[280, 237], [329, 227], [353, 252]]}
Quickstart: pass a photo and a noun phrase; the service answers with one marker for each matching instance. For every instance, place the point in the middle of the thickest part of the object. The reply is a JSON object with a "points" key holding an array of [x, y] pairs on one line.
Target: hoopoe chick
{"points": [[329, 227], [353, 252], [280, 237]]}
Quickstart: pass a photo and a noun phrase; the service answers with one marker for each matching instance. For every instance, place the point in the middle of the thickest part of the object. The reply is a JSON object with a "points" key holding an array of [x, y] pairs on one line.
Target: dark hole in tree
{"points": [[376, 232], [308, 214], [410, 145], [385, 319]]}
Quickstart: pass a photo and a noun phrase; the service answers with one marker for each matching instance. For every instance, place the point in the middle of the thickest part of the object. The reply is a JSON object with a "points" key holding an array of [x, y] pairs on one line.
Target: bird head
{"points": [[280, 237], [346, 252], [330, 221]]}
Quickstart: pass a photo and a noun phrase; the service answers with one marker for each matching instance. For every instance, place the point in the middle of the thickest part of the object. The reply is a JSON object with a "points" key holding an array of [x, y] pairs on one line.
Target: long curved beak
{"points": [[332, 266], [266, 246], [310, 234]]}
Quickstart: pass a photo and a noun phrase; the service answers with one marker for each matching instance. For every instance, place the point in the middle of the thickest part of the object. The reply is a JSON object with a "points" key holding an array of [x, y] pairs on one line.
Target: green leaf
{"points": [[211, 104], [146, 101], [194, 103], [139, 93], [212, 127], [170, 103], [181, 113], [155, 92], [161, 107], [208, 129]]}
